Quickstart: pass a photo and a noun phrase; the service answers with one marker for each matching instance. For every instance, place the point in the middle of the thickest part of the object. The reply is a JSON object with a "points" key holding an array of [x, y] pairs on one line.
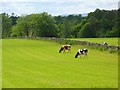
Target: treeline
{"points": [[100, 23]]}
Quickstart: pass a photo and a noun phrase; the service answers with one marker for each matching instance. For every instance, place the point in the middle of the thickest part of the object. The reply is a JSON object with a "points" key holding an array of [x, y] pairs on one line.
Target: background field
{"points": [[110, 41], [37, 63]]}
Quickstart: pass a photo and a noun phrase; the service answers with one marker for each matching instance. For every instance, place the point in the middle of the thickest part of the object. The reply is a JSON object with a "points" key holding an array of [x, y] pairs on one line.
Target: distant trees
{"points": [[42, 25], [14, 18], [6, 25], [66, 25], [89, 29], [100, 23], [48, 27]]}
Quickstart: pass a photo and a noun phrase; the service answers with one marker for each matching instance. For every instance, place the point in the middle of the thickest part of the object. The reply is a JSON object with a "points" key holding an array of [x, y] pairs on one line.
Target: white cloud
{"points": [[18, 8], [56, 8], [85, 7], [59, 1]]}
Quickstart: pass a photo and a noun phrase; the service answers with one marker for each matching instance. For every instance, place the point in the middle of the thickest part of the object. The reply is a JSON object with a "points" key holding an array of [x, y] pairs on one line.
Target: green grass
{"points": [[110, 41], [37, 64]]}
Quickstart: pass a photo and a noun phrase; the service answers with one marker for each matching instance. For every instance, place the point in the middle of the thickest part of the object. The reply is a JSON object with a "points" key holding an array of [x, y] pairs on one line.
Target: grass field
{"points": [[37, 64], [110, 41]]}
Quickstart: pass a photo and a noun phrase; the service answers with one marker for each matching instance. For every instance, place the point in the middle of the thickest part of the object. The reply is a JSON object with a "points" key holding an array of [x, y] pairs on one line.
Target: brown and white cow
{"points": [[65, 47], [80, 52]]}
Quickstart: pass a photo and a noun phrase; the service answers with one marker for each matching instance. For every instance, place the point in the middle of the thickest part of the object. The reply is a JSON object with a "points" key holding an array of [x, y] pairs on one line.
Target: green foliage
{"points": [[15, 32], [78, 27], [6, 25], [23, 25], [66, 32], [48, 26], [113, 32], [88, 30], [14, 19], [84, 32], [33, 25], [67, 25], [100, 23]]}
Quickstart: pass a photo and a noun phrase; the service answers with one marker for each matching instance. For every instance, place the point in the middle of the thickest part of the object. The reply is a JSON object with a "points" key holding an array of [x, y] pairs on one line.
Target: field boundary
{"points": [[86, 43], [73, 42]]}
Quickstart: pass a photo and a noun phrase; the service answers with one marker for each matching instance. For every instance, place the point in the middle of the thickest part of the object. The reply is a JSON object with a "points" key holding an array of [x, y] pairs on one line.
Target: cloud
{"points": [[56, 8], [84, 7], [59, 1], [18, 8]]}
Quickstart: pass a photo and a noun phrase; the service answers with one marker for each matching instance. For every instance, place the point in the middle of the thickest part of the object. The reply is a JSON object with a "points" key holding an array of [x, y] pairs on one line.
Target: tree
{"points": [[6, 25], [78, 27], [16, 32], [14, 19], [48, 27], [42, 25], [66, 32], [67, 25], [87, 31], [23, 26], [101, 23], [90, 28]]}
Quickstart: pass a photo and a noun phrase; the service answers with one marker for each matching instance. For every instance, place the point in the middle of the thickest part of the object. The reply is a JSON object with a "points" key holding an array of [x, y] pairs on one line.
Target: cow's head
{"points": [[61, 49], [76, 54]]}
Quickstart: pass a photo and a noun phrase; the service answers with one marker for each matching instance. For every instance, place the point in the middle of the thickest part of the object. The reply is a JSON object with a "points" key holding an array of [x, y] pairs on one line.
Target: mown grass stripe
{"points": [[38, 62]]}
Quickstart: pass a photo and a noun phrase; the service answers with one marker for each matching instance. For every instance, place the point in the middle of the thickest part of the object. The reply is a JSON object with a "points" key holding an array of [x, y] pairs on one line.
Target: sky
{"points": [[55, 7]]}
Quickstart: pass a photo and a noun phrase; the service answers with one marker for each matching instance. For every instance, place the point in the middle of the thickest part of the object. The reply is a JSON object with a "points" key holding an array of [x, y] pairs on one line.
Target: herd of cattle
{"points": [[80, 52]]}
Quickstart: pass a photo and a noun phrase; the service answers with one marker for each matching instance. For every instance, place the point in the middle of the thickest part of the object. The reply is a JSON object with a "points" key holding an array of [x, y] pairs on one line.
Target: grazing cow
{"points": [[104, 43], [80, 52], [65, 47]]}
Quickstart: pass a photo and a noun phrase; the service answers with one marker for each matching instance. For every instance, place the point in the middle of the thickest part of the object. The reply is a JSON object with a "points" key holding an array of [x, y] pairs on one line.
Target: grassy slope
{"points": [[35, 63], [110, 41]]}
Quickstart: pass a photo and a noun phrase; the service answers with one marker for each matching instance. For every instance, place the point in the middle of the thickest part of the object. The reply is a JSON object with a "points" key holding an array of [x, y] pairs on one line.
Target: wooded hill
{"points": [[100, 23]]}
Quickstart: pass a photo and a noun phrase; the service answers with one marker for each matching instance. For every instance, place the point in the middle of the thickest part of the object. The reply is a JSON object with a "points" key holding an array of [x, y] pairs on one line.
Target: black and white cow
{"points": [[80, 52], [65, 47], [104, 43]]}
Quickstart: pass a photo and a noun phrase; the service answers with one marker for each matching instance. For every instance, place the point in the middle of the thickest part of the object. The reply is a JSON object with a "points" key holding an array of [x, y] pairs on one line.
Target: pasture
{"points": [[37, 64], [110, 41]]}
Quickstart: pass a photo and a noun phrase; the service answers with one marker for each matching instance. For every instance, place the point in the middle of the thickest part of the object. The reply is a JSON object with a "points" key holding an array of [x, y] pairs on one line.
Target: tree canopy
{"points": [[100, 23]]}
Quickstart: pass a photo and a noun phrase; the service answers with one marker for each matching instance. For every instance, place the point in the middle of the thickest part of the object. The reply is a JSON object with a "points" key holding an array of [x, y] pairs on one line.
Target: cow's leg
{"points": [[85, 55], [69, 50], [80, 56], [63, 50]]}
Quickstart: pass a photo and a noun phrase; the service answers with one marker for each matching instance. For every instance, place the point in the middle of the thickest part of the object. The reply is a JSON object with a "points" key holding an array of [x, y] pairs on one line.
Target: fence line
{"points": [[78, 42], [109, 47]]}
